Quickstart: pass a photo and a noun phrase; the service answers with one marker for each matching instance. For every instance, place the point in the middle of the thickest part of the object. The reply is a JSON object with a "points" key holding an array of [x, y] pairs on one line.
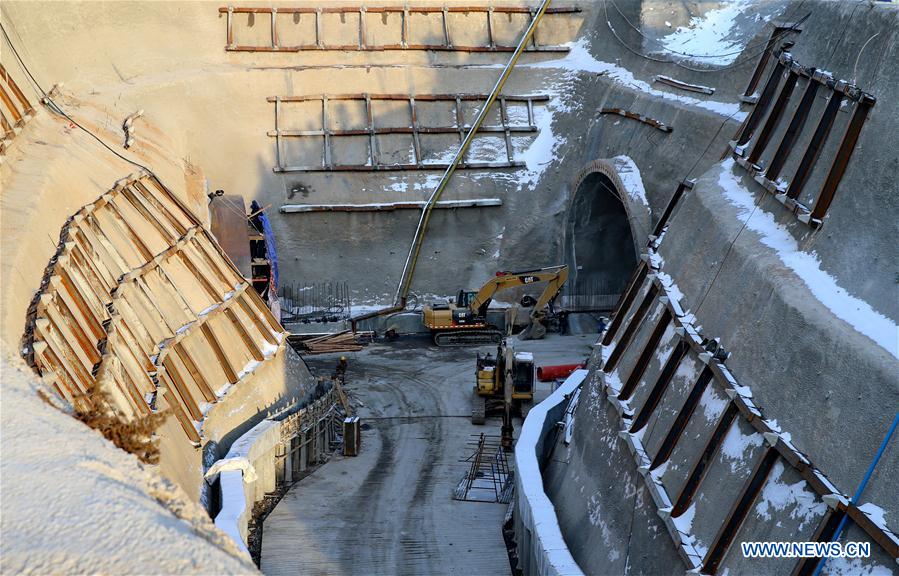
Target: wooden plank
{"points": [[212, 339], [173, 402], [110, 266], [48, 362], [17, 92], [167, 211], [136, 239], [73, 368], [166, 227], [260, 324], [179, 385], [14, 112], [248, 341], [196, 374], [77, 309], [76, 340]]}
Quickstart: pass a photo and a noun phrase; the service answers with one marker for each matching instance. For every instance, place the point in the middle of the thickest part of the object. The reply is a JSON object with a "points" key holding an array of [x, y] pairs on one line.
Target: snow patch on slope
{"points": [[579, 59], [710, 38], [854, 311]]}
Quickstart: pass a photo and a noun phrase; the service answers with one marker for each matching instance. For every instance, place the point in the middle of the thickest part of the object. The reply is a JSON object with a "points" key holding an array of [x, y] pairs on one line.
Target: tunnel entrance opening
{"points": [[600, 244]]}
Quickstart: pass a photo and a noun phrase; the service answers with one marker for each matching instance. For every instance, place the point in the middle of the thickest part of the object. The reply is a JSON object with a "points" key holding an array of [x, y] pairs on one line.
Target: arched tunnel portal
{"points": [[600, 247]]}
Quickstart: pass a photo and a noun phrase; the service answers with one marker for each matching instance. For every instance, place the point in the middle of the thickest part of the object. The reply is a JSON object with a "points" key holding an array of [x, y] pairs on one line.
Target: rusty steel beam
{"points": [[815, 146], [625, 301], [646, 355], [672, 204], [739, 511], [847, 89], [631, 328], [639, 117], [701, 465], [661, 385], [844, 154], [683, 417], [748, 129], [675, 83], [783, 98], [776, 34], [793, 131]]}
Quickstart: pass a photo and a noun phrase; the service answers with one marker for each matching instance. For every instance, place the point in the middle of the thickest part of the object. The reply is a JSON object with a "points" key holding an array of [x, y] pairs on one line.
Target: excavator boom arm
{"points": [[554, 276]]}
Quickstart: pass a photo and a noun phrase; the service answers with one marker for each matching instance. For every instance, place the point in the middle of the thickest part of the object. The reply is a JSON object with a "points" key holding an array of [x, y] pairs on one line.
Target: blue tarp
{"points": [[269, 242]]}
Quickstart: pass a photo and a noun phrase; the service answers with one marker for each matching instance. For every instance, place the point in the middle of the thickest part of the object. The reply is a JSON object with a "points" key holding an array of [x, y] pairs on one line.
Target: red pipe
{"points": [[550, 373]]}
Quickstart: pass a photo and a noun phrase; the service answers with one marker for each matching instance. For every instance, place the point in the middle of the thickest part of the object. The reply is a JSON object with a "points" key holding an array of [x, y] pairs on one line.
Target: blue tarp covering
{"points": [[269, 242]]}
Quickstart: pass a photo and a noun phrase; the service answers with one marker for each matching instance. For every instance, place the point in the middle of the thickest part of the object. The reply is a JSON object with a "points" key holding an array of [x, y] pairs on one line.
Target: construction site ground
{"points": [[390, 510]]}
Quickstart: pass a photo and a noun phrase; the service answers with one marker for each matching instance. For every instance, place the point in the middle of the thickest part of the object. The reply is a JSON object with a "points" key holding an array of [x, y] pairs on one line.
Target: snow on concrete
{"points": [[712, 404], [738, 447], [687, 371], [542, 150], [710, 38], [877, 514], [630, 176], [666, 344], [233, 506], [579, 59], [854, 567], [684, 525], [534, 507], [73, 503], [806, 265], [777, 496], [670, 286], [569, 416], [613, 382], [233, 472]]}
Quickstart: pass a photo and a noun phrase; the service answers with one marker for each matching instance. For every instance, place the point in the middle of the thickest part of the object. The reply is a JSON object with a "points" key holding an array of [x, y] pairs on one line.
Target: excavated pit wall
{"points": [[808, 315], [214, 104]]}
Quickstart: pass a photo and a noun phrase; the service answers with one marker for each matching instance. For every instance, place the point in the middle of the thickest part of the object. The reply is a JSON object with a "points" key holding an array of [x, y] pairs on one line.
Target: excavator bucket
{"points": [[534, 331]]}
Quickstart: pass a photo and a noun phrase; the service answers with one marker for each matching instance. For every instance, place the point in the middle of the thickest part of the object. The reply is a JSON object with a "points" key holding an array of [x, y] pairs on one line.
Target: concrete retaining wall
{"points": [[245, 475], [541, 547], [261, 460]]}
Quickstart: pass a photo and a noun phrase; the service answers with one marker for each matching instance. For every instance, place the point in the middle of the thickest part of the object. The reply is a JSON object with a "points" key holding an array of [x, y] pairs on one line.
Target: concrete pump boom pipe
{"points": [[402, 291]]}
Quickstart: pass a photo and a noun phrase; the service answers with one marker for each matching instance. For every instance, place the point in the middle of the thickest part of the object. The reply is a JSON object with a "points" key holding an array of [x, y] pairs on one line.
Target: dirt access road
{"points": [[390, 510]]}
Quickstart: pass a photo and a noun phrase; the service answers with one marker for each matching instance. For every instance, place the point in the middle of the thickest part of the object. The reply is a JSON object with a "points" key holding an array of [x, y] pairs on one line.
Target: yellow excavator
{"points": [[503, 383], [464, 322]]}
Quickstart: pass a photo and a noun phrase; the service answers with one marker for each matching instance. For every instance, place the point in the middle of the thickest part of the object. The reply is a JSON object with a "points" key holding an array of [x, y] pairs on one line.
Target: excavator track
{"points": [[467, 337]]}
